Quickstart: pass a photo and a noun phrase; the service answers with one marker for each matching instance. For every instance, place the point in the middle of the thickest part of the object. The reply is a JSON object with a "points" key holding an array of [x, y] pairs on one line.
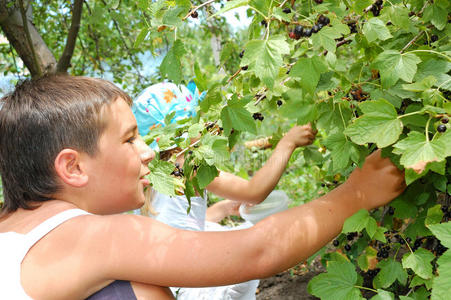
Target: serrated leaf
{"points": [[234, 115], [441, 286], [375, 29], [420, 262], [309, 71], [205, 175], [437, 13], [420, 86], [442, 232], [326, 38], [264, 57], [383, 295], [416, 151], [342, 149], [379, 124], [141, 37], [160, 177], [391, 271], [359, 221], [229, 6], [399, 16], [394, 65], [337, 284], [171, 66], [434, 215]]}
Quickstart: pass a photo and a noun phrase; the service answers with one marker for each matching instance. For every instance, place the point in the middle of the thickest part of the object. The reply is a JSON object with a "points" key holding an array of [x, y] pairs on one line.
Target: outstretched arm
{"points": [[256, 189], [141, 249]]}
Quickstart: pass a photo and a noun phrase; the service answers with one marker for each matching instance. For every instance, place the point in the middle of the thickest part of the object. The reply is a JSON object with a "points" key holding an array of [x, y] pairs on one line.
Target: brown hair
{"points": [[39, 119]]}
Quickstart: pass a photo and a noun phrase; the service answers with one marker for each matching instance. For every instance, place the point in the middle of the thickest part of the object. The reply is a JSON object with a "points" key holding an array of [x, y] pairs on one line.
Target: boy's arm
{"points": [[256, 189], [141, 249]]}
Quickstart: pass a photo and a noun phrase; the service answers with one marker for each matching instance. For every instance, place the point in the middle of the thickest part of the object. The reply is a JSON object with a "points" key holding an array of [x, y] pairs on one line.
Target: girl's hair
{"points": [[39, 119]]}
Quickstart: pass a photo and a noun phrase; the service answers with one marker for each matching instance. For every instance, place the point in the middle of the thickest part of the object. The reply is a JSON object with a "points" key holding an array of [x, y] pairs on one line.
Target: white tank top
{"points": [[13, 248]]}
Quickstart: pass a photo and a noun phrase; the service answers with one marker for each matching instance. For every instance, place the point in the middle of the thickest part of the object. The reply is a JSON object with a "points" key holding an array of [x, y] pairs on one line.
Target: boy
{"points": [[67, 149]]}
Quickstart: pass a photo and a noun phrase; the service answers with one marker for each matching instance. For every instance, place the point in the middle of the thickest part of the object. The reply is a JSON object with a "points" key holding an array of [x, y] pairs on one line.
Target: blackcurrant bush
{"points": [[441, 128], [444, 120], [434, 38], [336, 243], [347, 247], [194, 14], [286, 10]]}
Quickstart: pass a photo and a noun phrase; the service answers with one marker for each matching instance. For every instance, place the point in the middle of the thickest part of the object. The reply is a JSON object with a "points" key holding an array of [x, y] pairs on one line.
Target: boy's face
{"points": [[116, 182]]}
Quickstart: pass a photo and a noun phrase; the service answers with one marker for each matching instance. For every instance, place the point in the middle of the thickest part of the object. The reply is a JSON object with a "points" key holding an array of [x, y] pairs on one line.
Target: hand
{"points": [[300, 136], [379, 181]]}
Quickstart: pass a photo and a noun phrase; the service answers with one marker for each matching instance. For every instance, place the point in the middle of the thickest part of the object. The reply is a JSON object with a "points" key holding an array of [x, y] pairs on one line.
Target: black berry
{"points": [[347, 247], [194, 14], [177, 173], [444, 120], [350, 237], [279, 102], [263, 22], [190, 152], [244, 68], [286, 10], [441, 128], [319, 1], [322, 19], [315, 28], [375, 10], [434, 38], [444, 208], [391, 211], [298, 31], [336, 243], [241, 54], [378, 2], [308, 32]]}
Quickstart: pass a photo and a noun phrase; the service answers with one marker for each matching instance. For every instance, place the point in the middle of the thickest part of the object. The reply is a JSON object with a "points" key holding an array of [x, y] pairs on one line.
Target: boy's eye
{"points": [[131, 140]]}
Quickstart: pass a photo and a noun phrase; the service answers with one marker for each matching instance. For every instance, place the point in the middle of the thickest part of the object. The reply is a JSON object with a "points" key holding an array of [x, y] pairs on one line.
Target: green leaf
{"points": [[437, 13], [441, 286], [375, 29], [234, 115], [420, 86], [359, 221], [171, 66], [391, 271], [434, 215], [394, 65], [160, 177], [379, 124], [309, 70], [229, 6], [342, 150], [383, 295], [141, 37], [337, 284], [420, 262], [416, 151], [264, 57], [442, 232], [326, 38], [205, 175], [399, 16]]}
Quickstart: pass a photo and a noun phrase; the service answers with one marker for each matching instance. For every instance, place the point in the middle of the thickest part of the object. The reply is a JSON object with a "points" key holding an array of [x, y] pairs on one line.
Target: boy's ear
{"points": [[69, 168]]}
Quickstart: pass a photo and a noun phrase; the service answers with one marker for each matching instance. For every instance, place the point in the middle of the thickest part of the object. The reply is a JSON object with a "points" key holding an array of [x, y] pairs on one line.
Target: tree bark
{"points": [[64, 61], [12, 24]]}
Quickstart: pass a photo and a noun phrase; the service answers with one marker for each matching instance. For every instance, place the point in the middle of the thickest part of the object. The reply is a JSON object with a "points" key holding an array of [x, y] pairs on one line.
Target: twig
{"points": [[234, 75], [412, 41], [64, 61], [339, 44], [30, 42], [196, 8]]}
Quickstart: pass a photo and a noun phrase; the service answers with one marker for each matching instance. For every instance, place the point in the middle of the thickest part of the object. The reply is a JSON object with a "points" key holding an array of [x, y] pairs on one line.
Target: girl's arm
{"points": [[256, 189], [141, 249]]}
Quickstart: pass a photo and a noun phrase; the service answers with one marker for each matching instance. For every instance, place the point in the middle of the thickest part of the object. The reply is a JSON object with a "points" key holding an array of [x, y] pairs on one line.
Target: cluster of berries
{"points": [[376, 7], [301, 31], [178, 171], [258, 116], [442, 127]]}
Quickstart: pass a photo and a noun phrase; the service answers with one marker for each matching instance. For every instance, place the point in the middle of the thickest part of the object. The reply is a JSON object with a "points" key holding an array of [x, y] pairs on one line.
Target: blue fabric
{"points": [[159, 100], [117, 290]]}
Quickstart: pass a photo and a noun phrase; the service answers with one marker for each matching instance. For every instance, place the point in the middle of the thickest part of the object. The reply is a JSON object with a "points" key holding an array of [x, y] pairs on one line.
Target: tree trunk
{"points": [[38, 59]]}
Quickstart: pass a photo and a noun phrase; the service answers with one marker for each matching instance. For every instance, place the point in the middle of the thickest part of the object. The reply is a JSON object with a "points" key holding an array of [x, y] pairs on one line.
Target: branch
{"points": [[412, 41], [28, 35], [64, 61], [196, 8]]}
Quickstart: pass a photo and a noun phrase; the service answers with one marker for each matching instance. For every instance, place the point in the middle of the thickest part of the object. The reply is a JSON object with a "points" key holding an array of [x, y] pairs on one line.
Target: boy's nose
{"points": [[145, 152]]}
